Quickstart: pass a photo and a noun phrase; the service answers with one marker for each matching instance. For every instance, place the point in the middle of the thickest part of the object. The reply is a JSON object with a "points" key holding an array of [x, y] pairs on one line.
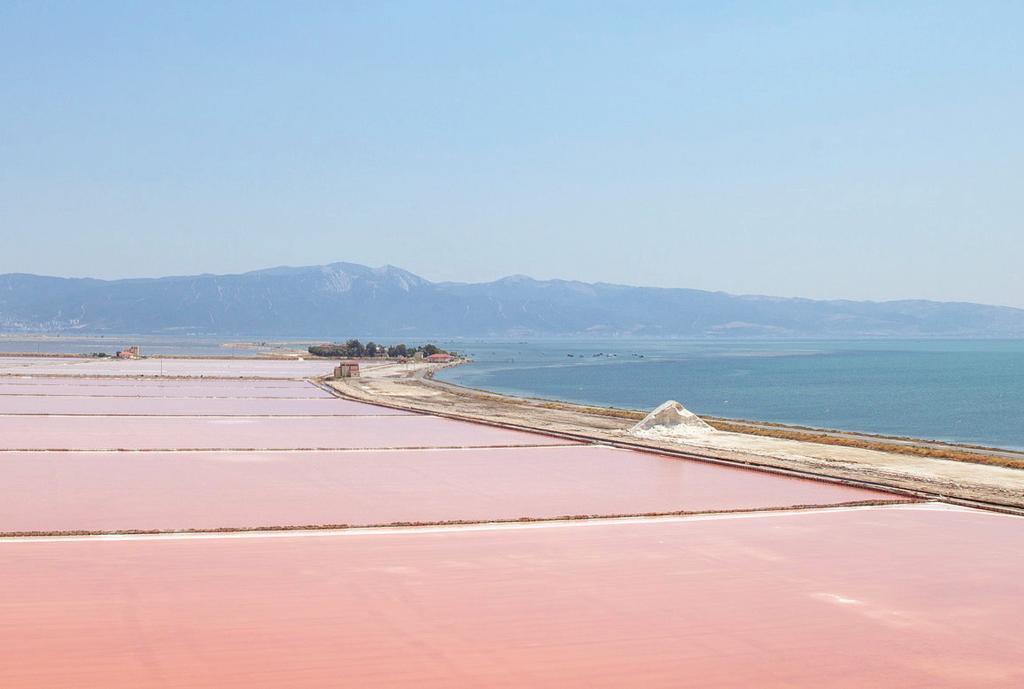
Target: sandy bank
{"points": [[408, 386]]}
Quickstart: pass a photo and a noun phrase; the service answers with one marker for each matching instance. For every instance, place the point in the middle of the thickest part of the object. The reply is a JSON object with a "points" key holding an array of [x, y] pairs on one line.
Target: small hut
{"points": [[347, 369]]}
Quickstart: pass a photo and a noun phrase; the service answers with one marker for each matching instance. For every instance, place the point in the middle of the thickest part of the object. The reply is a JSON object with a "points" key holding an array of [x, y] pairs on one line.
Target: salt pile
{"points": [[670, 421]]}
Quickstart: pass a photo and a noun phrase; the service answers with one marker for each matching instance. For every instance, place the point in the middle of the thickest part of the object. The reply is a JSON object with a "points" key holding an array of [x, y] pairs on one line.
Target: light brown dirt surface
{"points": [[409, 386]]}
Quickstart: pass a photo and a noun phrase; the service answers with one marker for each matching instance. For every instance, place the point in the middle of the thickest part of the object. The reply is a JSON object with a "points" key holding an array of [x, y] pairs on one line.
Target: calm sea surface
{"points": [[965, 391]]}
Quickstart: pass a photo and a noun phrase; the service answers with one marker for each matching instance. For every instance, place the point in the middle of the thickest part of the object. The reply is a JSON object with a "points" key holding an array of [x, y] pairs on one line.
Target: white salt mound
{"points": [[671, 420]]}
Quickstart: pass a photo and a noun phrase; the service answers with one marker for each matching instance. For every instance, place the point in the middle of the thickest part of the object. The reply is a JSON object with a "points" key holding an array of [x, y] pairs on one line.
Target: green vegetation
{"points": [[356, 349], [399, 350]]}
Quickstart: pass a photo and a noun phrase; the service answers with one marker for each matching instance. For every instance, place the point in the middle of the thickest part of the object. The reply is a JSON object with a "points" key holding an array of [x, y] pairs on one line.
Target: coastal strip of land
{"points": [[969, 475]]}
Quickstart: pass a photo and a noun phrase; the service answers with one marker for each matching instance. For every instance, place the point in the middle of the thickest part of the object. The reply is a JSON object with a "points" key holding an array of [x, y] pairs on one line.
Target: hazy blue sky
{"points": [[862, 150]]}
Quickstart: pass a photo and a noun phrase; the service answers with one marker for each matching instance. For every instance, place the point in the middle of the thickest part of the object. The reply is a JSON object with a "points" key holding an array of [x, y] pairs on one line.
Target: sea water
{"points": [[969, 391]]}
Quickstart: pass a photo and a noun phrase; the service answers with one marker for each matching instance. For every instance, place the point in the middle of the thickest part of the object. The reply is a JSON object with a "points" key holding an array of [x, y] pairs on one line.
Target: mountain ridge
{"points": [[341, 298]]}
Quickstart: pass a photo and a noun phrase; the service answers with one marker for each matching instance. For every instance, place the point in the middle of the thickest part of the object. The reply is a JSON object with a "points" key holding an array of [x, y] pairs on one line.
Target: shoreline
{"points": [[976, 477], [981, 480], [943, 449]]}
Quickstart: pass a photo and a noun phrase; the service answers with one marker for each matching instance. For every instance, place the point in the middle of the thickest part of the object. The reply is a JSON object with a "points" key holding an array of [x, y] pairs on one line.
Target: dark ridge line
{"points": [[214, 416], [153, 397], [637, 414], [455, 522], [145, 376], [65, 450], [152, 357], [681, 454], [26, 377]]}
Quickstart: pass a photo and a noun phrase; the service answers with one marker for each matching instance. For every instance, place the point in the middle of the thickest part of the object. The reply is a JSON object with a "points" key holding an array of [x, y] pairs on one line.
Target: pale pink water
{"points": [[176, 406], [231, 368], [883, 598], [145, 433], [207, 490], [879, 597], [153, 387]]}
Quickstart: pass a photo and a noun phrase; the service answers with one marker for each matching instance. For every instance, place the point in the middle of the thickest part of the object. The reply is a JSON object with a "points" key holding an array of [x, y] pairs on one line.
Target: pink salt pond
{"points": [[252, 433], [239, 367], [153, 387], [886, 598], [179, 406], [118, 491]]}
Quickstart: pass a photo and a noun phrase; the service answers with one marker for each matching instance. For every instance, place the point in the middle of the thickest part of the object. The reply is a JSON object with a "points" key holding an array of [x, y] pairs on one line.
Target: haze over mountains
{"points": [[345, 299]]}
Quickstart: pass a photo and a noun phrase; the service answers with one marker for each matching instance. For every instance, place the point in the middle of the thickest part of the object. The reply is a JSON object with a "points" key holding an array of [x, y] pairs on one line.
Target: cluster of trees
{"points": [[355, 348]]}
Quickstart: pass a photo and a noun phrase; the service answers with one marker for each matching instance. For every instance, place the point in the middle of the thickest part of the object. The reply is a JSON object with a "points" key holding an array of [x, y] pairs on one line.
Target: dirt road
{"points": [[408, 386]]}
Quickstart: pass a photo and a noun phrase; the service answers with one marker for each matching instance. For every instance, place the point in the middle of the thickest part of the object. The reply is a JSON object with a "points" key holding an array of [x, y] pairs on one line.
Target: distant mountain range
{"points": [[345, 299]]}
